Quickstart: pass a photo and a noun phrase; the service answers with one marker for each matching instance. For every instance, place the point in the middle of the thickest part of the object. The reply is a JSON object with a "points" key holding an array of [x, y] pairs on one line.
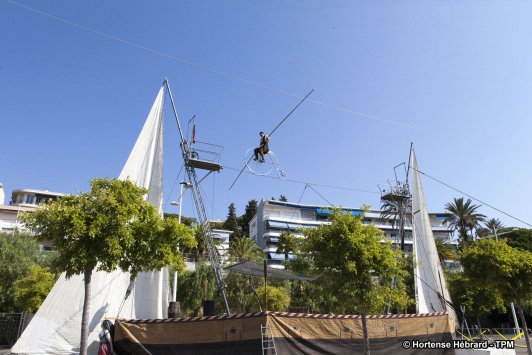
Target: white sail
{"points": [[428, 273], [144, 166], [56, 327]]}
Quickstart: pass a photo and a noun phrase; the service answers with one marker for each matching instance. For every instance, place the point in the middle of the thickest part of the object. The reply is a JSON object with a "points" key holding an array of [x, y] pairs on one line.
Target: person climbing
{"points": [[263, 147]]}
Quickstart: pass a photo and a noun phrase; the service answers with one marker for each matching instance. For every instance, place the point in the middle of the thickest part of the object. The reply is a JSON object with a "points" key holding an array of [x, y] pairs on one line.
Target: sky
{"points": [[454, 77]]}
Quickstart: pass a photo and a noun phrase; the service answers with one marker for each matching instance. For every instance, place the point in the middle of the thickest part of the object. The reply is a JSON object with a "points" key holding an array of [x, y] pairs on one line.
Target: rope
{"points": [[302, 182], [272, 133], [474, 198], [264, 86], [330, 204]]}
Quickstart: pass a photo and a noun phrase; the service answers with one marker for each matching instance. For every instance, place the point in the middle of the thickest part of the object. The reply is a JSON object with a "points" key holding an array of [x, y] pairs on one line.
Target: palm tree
{"points": [[463, 217], [390, 210], [287, 244], [245, 248], [445, 250], [493, 225]]}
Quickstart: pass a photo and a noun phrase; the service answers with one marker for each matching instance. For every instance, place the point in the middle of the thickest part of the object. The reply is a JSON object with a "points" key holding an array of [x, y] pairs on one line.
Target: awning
{"points": [[327, 211]]}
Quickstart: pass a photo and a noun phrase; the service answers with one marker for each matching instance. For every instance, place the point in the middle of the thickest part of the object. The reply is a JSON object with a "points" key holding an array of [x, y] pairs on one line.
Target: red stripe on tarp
{"points": [[280, 314]]}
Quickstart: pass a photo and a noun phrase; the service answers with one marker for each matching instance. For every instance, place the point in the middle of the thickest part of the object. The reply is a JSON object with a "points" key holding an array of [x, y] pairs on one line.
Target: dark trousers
{"points": [[257, 151]]}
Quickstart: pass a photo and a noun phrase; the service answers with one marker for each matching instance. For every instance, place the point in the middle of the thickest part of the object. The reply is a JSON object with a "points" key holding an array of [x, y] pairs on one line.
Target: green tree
{"points": [[30, 291], [201, 247], [446, 251], [231, 223], [109, 227], [278, 298], [520, 239], [478, 301], [251, 211], [187, 221], [315, 295], [357, 265], [494, 264], [191, 288], [239, 287], [287, 243], [464, 217], [245, 249], [18, 251]]}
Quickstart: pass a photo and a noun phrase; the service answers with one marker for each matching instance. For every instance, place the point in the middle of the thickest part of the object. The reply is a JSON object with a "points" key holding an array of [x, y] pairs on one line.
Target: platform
{"points": [[395, 196], [204, 164]]}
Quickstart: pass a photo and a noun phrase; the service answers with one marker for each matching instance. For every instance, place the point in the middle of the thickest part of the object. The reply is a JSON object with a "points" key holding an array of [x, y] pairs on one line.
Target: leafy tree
{"points": [[245, 249], [283, 198], [464, 217], [191, 288], [445, 250], [478, 301], [251, 211], [187, 221], [315, 295], [286, 244], [31, 290], [520, 239], [494, 264], [231, 223], [278, 298], [18, 251], [109, 227], [357, 265], [239, 287], [201, 246]]}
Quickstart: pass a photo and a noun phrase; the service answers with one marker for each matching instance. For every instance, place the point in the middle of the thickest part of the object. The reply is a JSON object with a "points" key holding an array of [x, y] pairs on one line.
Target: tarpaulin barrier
{"points": [[294, 333]]}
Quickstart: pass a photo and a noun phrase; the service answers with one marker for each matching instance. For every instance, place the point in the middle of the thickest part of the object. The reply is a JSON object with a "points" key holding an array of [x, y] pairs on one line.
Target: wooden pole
{"points": [[266, 285]]}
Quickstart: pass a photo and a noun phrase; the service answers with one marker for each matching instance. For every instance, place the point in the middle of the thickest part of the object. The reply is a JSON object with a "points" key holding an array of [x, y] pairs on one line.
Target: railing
{"points": [[11, 327], [493, 334], [207, 155]]}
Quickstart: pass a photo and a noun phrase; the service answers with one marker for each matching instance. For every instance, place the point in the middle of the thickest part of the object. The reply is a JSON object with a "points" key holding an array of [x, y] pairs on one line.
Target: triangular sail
{"points": [[55, 328], [428, 273], [144, 166]]}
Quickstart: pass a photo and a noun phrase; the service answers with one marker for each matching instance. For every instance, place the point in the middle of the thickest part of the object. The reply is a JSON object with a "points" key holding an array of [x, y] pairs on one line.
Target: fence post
{"points": [[20, 324]]}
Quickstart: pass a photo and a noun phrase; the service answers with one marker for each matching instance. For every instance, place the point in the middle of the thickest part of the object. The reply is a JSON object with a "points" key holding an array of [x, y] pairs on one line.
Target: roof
{"points": [[37, 192]]}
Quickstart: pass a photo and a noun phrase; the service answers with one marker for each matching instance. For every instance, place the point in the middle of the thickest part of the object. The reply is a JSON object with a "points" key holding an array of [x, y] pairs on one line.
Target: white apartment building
{"points": [[274, 217], [23, 200]]}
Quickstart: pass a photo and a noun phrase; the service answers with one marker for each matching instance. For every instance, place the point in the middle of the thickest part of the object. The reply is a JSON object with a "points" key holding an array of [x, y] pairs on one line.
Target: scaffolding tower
{"points": [[192, 162]]}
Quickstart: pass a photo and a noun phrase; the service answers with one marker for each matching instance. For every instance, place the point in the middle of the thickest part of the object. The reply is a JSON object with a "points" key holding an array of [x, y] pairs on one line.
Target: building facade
{"points": [[274, 217], [24, 200]]}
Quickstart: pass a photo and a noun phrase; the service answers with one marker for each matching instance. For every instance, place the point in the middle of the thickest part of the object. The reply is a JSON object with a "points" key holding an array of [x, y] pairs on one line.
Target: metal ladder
{"points": [[216, 263], [200, 207], [268, 344]]}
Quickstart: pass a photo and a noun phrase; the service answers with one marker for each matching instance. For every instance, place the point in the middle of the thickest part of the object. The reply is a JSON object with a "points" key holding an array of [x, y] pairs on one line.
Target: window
{"points": [[254, 225], [20, 198], [30, 199], [307, 215]]}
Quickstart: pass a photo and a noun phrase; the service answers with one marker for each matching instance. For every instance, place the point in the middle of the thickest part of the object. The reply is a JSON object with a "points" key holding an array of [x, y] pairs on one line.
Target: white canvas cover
{"points": [[56, 327], [428, 273]]}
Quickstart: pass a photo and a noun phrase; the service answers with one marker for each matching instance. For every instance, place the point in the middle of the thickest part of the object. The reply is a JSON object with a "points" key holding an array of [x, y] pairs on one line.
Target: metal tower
{"points": [[192, 161]]}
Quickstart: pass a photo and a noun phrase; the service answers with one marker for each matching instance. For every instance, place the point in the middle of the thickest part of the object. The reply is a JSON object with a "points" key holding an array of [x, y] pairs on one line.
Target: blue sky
{"points": [[73, 102]]}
